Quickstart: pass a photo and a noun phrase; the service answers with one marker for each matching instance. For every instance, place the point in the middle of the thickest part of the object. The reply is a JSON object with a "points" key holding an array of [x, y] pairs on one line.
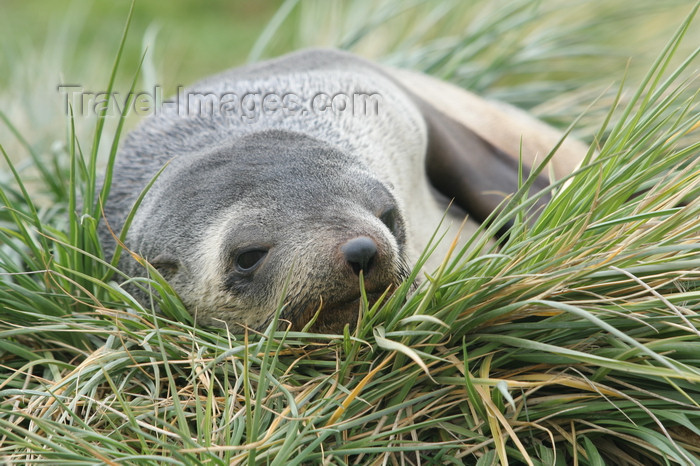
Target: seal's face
{"points": [[285, 220]]}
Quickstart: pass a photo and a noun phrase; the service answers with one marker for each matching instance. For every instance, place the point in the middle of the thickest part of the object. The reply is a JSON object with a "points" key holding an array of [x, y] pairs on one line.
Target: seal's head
{"points": [[283, 218]]}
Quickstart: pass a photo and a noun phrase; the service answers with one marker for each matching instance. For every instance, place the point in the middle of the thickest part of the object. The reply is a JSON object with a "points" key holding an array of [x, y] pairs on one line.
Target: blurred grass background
{"points": [[194, 39]]}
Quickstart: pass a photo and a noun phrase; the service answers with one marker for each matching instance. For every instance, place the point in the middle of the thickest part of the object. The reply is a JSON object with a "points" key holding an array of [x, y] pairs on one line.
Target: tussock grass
{"points": [[577, 341]]}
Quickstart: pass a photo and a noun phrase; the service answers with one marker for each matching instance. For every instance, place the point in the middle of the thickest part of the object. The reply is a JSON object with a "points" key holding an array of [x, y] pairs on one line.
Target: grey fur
{"points": [[299, 185]]}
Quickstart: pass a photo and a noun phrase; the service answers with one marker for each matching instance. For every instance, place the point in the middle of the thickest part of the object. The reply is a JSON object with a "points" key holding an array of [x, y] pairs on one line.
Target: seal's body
{"points": [[288, 179]]}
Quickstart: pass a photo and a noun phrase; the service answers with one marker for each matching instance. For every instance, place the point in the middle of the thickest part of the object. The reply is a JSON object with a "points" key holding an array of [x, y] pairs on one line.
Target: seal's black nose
{"points": [[360, 253]]}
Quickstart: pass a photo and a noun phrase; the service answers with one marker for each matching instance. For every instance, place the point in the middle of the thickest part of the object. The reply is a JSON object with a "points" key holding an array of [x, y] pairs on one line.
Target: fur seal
{"points": [[305, 171]]}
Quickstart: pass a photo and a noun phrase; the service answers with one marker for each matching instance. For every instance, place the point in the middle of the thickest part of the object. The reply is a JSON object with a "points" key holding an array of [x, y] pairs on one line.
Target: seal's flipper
{"points": [[463, 166], [474, 145]]}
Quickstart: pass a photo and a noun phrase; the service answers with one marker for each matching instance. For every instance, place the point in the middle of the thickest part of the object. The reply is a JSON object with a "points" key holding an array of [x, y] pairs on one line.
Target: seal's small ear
{"points": [[166, 264]]}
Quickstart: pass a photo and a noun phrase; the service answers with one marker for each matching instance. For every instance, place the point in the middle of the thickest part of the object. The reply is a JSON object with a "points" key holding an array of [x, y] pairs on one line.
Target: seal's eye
{"points": [[389, 218], [249, 259]]}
